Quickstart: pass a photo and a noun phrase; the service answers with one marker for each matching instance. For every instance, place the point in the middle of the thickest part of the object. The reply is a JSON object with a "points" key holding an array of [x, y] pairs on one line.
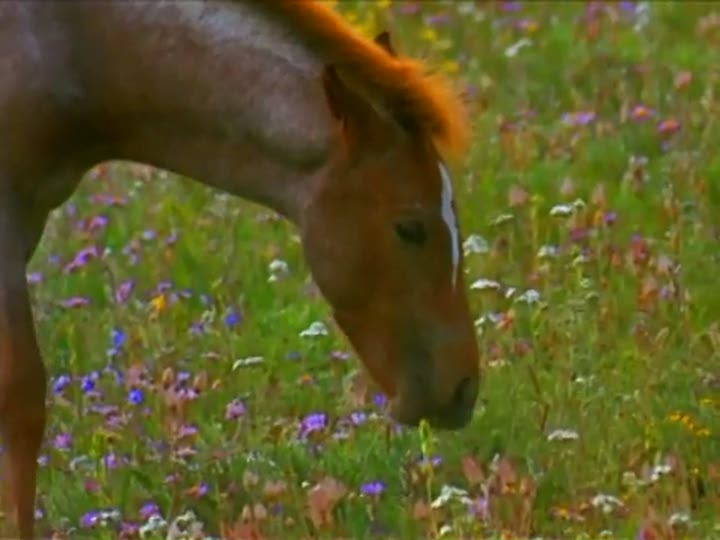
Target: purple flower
{"points": [[380, 400], [187, 430], [136, 396], [122, 293], [233, 318], [61, 383], [76, 302], [171, 239], [235, 409], [149, 234], [579, 118], [90, 519], [511, 6], [111, 460], [434, 461], [148, 510], [83, 257], [63, 441], [373, 489], [312, 423], [358, 417], [96, 223], [35, 277], [87, 384], [610, 218], [118, 338]]}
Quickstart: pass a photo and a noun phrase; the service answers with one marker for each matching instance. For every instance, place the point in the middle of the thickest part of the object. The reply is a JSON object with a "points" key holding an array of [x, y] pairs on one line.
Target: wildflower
{"points": [[527, 25], [429, 34], [235, 409], [373, 489], [63, 441], [61, 383], [607, 503], [136, 396], [97, 223], [278, 269], [316, 329], [669, 126], [247, 362], [531, 296], [483, 284], [233, 318], [358, 418], [87, 384], [158, 303], [579, 118], [122, 293], [312, 423], [475, 244], [450, 493], [118, 338], [563, 435], [380, 400], [641, 113], [90, 519], [34, 277], [76, 302], [149, 510], [515, 48], [83, 257]]}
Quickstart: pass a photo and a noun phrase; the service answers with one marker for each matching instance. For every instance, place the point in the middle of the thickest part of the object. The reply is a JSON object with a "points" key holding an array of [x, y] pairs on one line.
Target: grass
{"points": [[592, 183]]}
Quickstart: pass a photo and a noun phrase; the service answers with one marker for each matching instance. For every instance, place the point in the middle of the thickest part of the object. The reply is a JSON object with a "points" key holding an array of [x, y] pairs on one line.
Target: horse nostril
{"points": [[466, 393]]}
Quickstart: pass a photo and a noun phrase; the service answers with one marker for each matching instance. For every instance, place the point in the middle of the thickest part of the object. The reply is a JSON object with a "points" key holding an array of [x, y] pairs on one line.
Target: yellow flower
{"points": [[384, 4], [158, 304], [429, 34], [703, 432], [451, 66]]}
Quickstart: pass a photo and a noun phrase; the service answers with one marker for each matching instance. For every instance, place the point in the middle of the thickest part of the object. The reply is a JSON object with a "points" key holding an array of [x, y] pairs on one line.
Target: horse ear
{"points": [[338, 96], [360, 121], [383, 39]]}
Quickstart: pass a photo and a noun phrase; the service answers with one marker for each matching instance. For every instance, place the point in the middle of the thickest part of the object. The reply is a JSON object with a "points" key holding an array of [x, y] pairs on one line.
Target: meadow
{"points": [[200, 390]]}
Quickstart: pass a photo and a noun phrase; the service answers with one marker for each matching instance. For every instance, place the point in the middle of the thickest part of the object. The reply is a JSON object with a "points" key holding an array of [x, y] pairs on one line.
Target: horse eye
{"points": [[412, 232]]}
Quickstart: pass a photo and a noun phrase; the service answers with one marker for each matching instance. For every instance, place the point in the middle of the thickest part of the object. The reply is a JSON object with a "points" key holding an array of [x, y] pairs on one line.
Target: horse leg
{"points": [[22, 374]]}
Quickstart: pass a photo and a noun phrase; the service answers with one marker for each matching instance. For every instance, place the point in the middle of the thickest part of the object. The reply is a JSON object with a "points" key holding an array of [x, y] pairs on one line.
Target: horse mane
{"points": [[419, 99]]}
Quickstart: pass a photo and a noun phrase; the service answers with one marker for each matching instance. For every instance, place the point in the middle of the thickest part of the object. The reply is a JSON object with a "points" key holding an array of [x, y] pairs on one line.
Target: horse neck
{"points": [[211, 91]]}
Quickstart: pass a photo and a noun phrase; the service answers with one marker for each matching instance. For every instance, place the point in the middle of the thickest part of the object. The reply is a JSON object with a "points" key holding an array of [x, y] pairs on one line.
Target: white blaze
{"points": [[448, 215]]}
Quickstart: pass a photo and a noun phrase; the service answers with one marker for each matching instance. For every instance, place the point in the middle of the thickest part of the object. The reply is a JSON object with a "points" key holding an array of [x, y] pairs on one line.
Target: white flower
{"points": [[483, 284], [679, 518], [531, 296], [513, 49], [562, 210], [316, 329], [247, 362], [607, 503], [277, 268], [475, 244], [450, 493], [563, 435], [548, 252], [502, 218]]}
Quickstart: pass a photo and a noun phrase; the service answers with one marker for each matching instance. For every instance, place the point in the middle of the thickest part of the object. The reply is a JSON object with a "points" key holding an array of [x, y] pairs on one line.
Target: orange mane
{"points": [[403, 86]]}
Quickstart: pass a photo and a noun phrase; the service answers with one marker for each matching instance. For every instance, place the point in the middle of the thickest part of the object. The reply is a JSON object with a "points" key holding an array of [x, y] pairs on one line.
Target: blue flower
{"points": [[136, 396], [374, 488], [61, 383]]}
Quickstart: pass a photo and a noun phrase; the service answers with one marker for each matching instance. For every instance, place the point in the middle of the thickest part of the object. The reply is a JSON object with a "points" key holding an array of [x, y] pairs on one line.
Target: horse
{"points": [[282, 103]]}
